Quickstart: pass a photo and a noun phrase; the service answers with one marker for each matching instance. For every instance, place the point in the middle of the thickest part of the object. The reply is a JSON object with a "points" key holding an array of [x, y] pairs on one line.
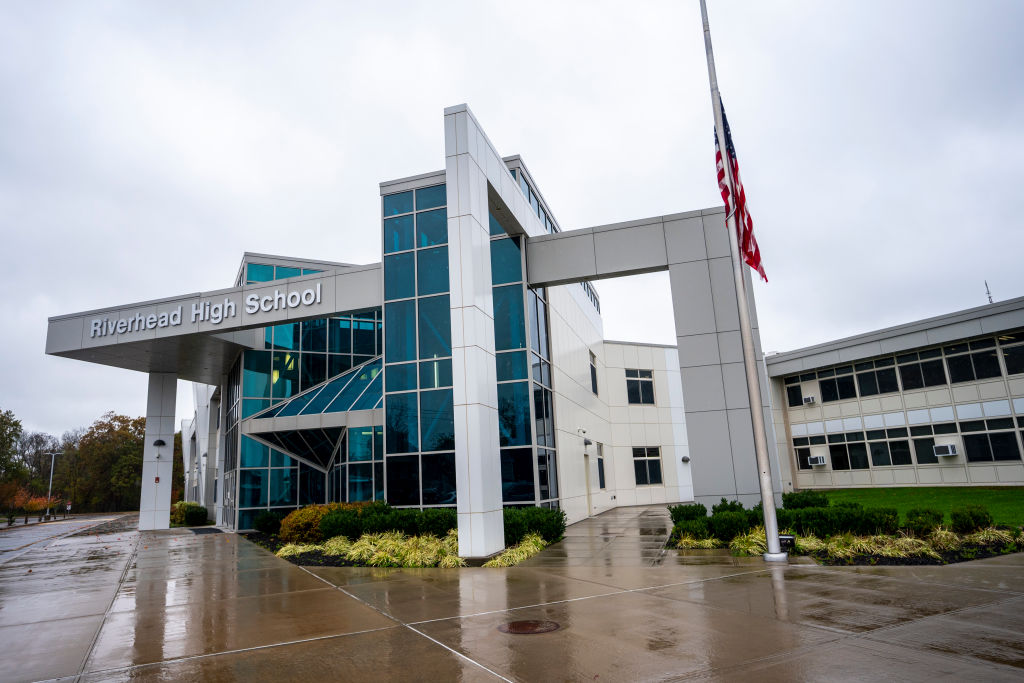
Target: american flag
{"points": [[744, 224]]}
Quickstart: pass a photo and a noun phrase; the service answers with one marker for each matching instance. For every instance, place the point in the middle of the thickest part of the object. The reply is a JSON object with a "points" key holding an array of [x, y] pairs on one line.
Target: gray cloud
{"points": [[144, 146]]}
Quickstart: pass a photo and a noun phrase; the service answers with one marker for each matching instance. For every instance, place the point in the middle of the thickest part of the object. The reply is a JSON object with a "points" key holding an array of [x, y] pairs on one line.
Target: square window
{"points": [[640, 387], [431, 197], [431, 228], [395, 204]]}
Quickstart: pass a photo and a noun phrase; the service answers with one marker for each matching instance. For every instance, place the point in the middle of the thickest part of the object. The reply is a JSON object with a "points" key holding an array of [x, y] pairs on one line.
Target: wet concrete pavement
{"points": [[172, 605], [15, 539]]}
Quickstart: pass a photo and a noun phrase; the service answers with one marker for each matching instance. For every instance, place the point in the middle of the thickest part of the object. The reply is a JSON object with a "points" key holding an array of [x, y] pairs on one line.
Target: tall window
{"points": [[647, 466], [640, 386], [593, 373], [600, 466], [419, 418]]}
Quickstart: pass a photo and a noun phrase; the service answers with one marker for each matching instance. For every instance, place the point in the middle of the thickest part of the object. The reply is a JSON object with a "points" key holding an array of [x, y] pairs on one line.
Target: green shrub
{"points": [[268, 522], [728, 524], [804, 499], [342, 522], [880, 521], [814, 521], [845, 517], [970, 518], [303, 525], [355, 520], [438, 521], [681, 513], [694, 528], [520, 521], [923, 521], [185, 513], [727, 506]]}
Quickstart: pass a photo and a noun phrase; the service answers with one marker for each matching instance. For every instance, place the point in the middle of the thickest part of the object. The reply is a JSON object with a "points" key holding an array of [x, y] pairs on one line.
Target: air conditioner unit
{"points": [[944, 450], [808, 400], [816, 460]]}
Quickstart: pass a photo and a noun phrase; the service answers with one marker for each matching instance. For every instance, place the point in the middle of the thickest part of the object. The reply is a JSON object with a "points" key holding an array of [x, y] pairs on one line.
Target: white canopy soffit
{"points": [[198, 336]]}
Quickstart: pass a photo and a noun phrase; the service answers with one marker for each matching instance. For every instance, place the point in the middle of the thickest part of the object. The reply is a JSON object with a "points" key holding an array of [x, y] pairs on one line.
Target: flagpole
{"points": [[771, 525]]}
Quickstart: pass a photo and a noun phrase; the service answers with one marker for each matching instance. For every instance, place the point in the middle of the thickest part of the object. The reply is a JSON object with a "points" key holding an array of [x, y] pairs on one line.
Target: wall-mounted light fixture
{"points": [[159, 442], [686, 458]]}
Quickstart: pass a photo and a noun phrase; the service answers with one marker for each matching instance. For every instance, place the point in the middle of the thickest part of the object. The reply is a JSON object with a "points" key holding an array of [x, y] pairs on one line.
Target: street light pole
{"points": [[49, 489]]}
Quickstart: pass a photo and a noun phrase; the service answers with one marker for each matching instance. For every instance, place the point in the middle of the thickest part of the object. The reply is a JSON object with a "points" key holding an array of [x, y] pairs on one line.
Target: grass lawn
{"points": [[1006, 503]]}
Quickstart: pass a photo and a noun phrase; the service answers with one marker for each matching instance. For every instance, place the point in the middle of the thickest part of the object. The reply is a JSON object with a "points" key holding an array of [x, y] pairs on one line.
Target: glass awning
{"points": [[361, 388], [358, 389]]}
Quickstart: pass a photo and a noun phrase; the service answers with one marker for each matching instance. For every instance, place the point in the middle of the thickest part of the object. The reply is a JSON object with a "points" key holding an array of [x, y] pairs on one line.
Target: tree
{"points": [[11, 467], [110, 457], [34, 450], [69, 470], [178, 475]]}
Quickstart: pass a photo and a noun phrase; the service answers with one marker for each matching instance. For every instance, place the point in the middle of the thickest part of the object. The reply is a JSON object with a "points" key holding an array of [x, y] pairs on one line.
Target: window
{"points": [[851, 456], [593, 373], [966, 367], [803, 458], [640, 386], [836, 384], [924, 451], [647, 466], [600, 466], [876, 377], [1013, 355], [794, 396], [919, 370], [992, 446]]}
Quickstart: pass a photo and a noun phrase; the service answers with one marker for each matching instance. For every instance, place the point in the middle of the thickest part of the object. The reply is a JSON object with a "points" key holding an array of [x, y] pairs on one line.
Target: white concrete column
{"points": [[718, 424], [477, 456], [158, 461]]}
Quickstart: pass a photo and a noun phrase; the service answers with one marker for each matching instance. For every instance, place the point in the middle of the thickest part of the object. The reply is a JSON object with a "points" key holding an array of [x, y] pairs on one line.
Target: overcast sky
{"points": [[145, 146]]}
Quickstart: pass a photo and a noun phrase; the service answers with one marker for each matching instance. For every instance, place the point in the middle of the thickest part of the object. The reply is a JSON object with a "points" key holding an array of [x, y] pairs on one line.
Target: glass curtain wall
{"points": [[295, 357], [419, 429], [522, 359], [358, 471]]}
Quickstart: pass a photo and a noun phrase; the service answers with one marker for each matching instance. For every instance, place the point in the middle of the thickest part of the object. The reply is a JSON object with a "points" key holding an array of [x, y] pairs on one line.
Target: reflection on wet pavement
{"points": [[120, 605]]}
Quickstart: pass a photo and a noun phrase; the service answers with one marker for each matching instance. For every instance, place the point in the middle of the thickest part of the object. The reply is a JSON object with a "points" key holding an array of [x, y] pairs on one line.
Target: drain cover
{"points": [[529, 626]]}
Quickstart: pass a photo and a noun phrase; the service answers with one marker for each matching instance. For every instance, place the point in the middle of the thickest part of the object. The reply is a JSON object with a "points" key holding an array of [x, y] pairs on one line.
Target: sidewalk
{"points": [[172, 605]]}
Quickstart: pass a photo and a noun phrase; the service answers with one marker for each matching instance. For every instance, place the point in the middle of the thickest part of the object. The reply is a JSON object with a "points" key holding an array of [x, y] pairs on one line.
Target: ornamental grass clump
{"points": [[944, 540], [337, 546], [687, 542], [421, 551], [808, 545], [754, 542], [448, 557], [527, 548], [989, 537], [293, 549]]}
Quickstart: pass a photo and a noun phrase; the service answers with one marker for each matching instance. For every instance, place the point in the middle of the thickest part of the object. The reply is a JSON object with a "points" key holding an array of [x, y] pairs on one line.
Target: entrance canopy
{"points": [[198, 336]]}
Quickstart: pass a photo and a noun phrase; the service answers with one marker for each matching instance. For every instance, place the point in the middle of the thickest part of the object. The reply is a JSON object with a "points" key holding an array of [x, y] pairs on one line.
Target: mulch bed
{"points": [[313, 559], [954, 557]]}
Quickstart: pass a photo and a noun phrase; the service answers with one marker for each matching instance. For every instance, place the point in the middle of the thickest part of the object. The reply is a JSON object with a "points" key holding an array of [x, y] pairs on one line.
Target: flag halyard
{"points": [[736, 202]]}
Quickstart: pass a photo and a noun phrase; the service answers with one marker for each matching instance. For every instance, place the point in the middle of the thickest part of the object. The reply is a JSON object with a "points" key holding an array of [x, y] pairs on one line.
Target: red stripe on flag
{"points": [[749, 250]]}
